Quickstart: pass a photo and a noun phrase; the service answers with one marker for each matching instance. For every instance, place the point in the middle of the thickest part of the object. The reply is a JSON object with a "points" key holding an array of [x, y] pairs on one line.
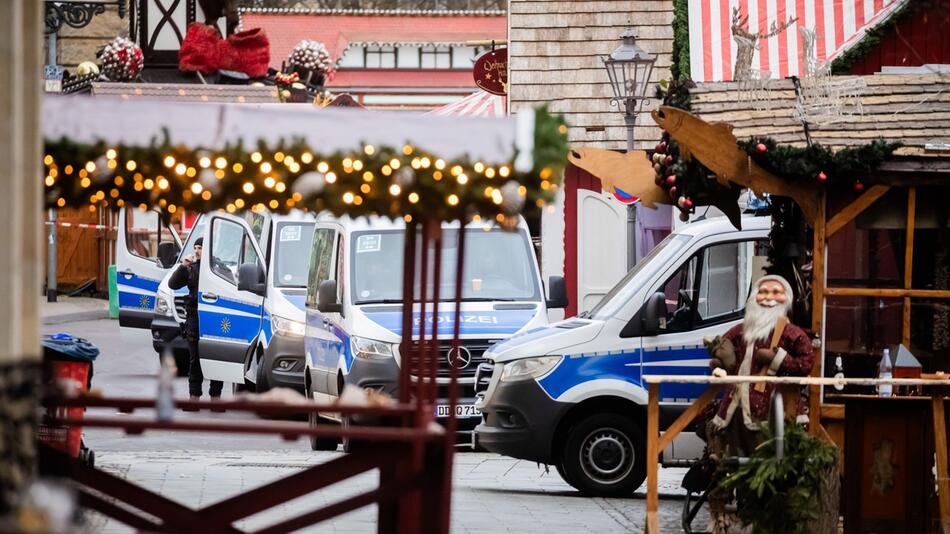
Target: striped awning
{"points": [[838, 24], [477, 104]]}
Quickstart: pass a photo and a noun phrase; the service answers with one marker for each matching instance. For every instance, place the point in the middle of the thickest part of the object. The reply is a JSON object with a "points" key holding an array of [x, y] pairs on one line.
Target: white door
{"points": [[601, 246], [138, 271], [229, 320]]}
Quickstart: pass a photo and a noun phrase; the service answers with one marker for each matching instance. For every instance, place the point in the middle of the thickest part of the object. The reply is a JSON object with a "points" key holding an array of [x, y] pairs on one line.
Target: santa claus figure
{"points": [[754, 348]]}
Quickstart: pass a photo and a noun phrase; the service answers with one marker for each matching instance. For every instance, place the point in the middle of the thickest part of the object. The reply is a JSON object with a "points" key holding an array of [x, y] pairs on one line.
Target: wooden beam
{"points": [[940, 447], [909, 262], [687, 417], [818, 281], [852, 210], [886, 292], [653, 459]]}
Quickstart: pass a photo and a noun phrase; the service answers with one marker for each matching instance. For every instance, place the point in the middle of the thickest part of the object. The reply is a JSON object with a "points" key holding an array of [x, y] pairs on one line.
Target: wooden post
{"points": [[940, 447], [653, 459], [909, 262], [817, 310]]}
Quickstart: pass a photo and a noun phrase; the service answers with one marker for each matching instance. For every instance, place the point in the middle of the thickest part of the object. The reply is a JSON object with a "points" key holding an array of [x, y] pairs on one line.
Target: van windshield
{"points": [[498, 266], [624, 290], [292, 254]]}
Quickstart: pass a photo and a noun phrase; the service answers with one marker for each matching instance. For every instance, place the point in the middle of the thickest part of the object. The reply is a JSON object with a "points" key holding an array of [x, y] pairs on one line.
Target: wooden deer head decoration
{"points": [[747, 42]]}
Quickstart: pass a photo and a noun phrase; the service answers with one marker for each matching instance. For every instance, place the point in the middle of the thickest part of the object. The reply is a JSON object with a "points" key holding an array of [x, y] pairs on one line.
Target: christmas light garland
{"points": [[401, 181]]}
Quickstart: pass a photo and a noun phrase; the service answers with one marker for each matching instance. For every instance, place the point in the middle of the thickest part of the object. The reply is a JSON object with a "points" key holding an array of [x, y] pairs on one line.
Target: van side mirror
{"points": [[326, 298], [654, 314], [167, 254], [557, 293], [251, 278]]}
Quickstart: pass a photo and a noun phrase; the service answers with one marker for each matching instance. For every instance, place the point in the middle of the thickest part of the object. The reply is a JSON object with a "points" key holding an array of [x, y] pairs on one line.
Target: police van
{"points": [[571, 393], [252, 284], [354, 308]]}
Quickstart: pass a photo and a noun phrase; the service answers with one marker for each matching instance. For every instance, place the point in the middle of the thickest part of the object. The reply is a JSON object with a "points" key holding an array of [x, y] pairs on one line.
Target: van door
{"points": [[601, 246], [142, 235], [229, 320], [317, 342], [705, 296]]}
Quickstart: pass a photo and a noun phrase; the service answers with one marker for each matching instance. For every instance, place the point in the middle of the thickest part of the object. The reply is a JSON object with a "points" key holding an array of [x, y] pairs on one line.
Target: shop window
{"points": [[930, 333], [869, 251], [380, 57], [931, 239], [435, 57]]}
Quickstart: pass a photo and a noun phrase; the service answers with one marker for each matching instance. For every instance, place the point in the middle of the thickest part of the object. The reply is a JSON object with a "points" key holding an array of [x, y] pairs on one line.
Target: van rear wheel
{"points": [[604, 456]]}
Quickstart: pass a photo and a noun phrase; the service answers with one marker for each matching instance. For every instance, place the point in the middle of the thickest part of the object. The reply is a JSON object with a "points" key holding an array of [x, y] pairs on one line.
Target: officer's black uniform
{"points": [[188, 276]]}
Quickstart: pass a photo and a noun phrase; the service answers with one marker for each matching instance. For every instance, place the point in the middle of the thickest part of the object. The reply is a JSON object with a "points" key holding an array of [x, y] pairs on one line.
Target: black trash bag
{"points": [[62, 346]]}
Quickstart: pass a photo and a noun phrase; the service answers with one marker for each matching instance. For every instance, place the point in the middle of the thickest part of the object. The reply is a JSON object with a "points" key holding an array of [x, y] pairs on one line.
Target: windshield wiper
{"points": [[379, 301], [583, 314]]}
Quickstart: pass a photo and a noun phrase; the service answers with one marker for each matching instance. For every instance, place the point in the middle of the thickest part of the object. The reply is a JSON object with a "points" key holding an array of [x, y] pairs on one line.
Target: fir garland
{"points": [[873, 37], [402, 181], [680, 66], [852, 167]]}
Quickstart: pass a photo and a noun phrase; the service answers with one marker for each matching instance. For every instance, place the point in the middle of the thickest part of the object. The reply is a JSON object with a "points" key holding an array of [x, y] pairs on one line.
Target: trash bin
{"points": [[68, 361]]}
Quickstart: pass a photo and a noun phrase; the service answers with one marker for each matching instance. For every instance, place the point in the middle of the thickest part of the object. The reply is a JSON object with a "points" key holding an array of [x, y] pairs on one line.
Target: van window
{"points": [[321, 258], [713, 285], [228, 240], [498, 266], [144, 230], [291, 266]]}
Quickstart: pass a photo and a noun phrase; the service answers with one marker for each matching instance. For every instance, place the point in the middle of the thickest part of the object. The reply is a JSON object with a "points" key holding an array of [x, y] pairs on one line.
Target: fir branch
{"points": [[680, 68]]}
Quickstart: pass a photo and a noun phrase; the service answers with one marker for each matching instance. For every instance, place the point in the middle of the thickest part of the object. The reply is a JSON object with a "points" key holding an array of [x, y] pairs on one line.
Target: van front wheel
{"points": [[604, 456]]}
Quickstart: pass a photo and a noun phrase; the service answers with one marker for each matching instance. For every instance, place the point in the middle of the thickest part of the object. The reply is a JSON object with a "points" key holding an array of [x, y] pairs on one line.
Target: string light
{"points": [[453, 200], [367, 176], [206, 195], [49, 181], [61, 202], [425, 162], [456, 170], [191, 172], [196, 188], [119, 181], [248, 188], [85, 182], [306, 158], [53, 172], [219, 174], [239, 203], [437, 176], [48, 160], [180, 169], [68, 169], [407, 149], [256, 157], [357, 200], [130, 165], [365, 188], [269, 182], [280, 187], [395, 163], [369, 150], [496, 196], [331, 177], [169, 161], [323, 167], [149, 183], [204, 162], [413, 197], [462, 179], [348, 197], [266, 167], [112, 164], [162, 183], [237, 168], [221, 163], [479, 167], [439, 164], [386, 170], [358, 165], [278, 157], [504, 171], [489, 172], [111, 153], [90, 166], [273, 204], [407, 218], [394, 190]]}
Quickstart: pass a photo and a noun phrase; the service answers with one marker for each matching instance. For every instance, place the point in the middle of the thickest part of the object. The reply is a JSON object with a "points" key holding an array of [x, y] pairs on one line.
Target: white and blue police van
{"points": [[354, 308], [252, 285], [571, 393]]}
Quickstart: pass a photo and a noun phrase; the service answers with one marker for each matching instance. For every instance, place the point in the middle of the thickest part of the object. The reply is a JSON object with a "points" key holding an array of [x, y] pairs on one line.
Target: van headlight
{"points": [[288, 327], [162, 305], [370, 349], [528, 368]]}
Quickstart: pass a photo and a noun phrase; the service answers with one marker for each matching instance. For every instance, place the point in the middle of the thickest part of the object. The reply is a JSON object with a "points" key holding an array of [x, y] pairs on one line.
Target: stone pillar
{"points": [[21, 216]]}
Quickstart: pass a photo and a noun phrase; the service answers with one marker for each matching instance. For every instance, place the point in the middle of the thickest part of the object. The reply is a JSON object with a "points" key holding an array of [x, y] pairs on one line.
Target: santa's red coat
{"points": [[798, 361]]}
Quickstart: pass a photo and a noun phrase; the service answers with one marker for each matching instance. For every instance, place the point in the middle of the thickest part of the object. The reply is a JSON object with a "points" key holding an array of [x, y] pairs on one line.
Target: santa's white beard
{"points": [[760, 320]]}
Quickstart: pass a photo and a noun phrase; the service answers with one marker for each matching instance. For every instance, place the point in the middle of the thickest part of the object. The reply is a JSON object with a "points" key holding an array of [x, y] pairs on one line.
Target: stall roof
{"points": [[185, 92], [913, 110], [212, 125]]}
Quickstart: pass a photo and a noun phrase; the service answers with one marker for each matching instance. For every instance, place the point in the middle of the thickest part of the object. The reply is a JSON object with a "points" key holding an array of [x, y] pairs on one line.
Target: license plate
{"points": [[461, 410]]}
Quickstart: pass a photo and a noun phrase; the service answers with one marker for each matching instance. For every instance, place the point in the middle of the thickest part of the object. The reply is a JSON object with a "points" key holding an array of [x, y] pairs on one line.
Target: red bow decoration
{"points": [[204, 51]]}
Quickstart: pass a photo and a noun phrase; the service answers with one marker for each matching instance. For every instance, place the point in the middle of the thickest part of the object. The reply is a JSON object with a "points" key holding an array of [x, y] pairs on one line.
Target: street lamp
{"points": [[629, 68]]}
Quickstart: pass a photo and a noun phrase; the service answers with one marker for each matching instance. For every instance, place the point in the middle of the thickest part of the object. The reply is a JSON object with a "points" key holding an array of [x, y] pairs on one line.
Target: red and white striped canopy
{"points": [[477, 104], [838, 24]]}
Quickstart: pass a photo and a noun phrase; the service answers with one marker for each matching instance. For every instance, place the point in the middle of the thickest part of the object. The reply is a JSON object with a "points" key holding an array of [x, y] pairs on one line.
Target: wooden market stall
{"points": [[868, 254]]}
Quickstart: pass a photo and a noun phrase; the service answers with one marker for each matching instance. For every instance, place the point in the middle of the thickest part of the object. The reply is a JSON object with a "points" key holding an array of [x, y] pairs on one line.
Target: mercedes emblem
{"points": [[459, 357]]}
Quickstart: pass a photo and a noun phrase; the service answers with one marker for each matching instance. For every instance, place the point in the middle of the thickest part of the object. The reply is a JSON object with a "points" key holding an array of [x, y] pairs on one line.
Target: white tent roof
{"points": [[212, 125], [477, 104]]}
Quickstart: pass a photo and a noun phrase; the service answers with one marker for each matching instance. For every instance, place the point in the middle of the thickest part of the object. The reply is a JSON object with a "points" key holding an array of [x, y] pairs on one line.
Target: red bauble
{"points": [[673, 192], [659, 181], [661, 148], [671, 179], [688, 204], [822, 176], [669, 159], [858, 186], [761, 147]]}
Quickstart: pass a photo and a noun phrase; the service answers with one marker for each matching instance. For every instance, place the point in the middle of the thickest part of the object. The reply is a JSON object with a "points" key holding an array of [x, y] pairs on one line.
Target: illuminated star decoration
{"points": [[225, 325]]}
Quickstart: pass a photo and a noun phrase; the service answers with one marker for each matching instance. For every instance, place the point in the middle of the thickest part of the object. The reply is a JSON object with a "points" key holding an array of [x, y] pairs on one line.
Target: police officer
{"points": [[187, 275]]}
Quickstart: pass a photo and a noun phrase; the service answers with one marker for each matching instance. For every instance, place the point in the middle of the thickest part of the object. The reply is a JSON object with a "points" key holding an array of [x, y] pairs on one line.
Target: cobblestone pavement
{"points": [[491, 494]]}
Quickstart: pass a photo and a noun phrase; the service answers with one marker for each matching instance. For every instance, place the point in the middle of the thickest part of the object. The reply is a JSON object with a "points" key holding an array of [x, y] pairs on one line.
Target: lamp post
{"points": [[629, 68]]}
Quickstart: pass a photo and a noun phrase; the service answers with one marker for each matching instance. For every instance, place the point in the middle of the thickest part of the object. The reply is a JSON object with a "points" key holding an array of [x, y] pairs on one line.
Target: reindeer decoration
{"points": [[747, 43]]}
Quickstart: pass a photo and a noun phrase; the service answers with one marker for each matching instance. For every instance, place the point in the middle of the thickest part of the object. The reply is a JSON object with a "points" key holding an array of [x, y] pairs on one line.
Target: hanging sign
{"points": [[491, 72]]}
